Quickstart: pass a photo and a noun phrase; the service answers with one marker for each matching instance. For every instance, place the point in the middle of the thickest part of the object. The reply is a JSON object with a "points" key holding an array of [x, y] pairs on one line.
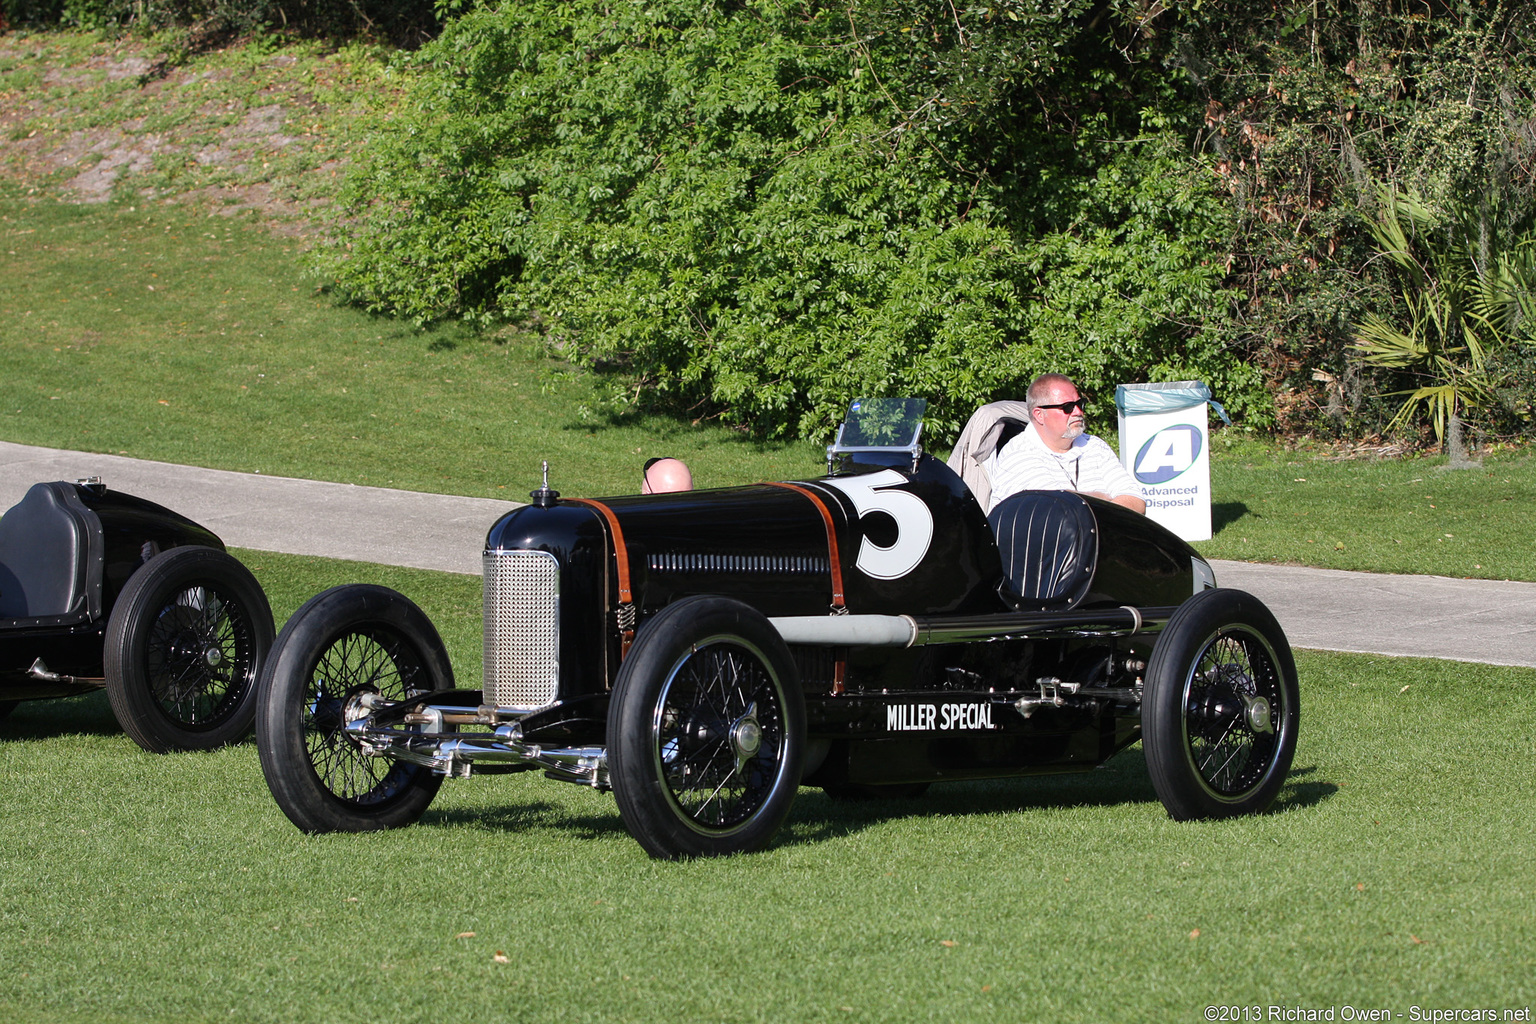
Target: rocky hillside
{"points": [[251, 129]]}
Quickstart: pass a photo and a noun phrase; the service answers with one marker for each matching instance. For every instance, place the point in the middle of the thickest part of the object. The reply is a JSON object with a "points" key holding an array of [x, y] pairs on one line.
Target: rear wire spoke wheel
{"points": [[183, 650], [1221, 708], [706, 732], [346, 647]]}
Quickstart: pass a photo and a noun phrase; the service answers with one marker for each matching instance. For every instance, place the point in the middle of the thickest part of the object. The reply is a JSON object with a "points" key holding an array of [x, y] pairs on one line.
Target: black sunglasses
{"points": [[651, 462], [1067, 407]]}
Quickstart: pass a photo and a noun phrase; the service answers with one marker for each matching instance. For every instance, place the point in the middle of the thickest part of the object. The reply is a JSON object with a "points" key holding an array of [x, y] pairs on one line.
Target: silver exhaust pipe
{"points": [[920, 631]]}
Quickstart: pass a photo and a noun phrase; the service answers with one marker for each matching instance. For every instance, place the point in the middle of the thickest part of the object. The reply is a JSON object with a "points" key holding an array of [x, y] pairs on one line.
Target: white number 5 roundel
{"points": [[914, 523]]}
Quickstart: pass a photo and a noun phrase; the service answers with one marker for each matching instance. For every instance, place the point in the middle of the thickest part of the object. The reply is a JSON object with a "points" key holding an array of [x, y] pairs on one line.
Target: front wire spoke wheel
{"points": [[1230, 725], [721, 714], [184, 647], [356, 665], [346, 651], [706, 731], [1221, 707]]}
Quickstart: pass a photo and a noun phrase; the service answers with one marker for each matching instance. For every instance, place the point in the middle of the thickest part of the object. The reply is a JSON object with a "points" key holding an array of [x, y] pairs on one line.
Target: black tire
{"points": [[6, 707], [344, 643], [184, 648], [1221, 708], [706, 731]]}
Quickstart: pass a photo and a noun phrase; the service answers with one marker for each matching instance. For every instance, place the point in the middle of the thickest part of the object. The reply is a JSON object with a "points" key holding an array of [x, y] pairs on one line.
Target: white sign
{"points": [[1167, 453]]}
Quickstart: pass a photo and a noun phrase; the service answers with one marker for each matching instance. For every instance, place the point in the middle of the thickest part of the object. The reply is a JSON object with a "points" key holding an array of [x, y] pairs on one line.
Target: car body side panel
{"points": [[910, 540], [133, 530], [760, 544], [919, 544], [1140, 563], [906, 542]]}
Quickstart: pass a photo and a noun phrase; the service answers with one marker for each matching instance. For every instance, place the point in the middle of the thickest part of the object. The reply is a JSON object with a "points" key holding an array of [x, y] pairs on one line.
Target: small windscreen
{"points": [[883, 423]]}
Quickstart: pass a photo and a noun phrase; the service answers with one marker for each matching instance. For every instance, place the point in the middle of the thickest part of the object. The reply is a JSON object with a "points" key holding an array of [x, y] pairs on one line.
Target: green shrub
{"points": [[762, 211], [1304, 110]]}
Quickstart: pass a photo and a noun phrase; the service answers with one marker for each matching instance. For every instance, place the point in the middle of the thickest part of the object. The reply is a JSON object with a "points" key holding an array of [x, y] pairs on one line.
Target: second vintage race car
{"points": [[872, 631], [103, 590]]}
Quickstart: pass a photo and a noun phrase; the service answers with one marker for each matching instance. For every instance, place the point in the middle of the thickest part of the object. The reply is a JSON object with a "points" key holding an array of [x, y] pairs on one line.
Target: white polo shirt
{"points": [[1026, 464]]}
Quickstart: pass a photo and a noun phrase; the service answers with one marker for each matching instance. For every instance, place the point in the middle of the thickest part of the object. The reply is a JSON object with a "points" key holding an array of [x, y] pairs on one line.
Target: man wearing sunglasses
{"points": [[1054, 454]]}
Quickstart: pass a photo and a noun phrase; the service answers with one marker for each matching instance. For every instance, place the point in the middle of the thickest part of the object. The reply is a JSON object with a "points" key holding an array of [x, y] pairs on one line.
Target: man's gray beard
{"points": [[1073, 433]]}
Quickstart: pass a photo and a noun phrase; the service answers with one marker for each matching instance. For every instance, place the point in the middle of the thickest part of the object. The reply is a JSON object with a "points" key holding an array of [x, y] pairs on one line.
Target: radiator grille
{"points": [[522, 628]]}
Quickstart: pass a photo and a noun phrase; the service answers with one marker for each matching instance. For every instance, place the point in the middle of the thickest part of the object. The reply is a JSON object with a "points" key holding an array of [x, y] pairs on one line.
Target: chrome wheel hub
{"points": [[746, 737], [1256, 712]]}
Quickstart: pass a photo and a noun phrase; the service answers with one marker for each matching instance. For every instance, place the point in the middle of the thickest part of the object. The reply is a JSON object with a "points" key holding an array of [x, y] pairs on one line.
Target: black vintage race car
{"points": [[103, 589], [869, 632]]}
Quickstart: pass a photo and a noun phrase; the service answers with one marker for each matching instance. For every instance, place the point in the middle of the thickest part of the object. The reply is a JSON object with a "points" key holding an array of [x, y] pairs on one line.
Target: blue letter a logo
{"points": [[1167, 453]]}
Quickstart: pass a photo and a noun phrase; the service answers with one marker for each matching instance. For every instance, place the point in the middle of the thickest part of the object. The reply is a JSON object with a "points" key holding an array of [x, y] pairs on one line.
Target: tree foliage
{"points": [[1465, 300], [765, 209], [1309, 109], [758, 209]]}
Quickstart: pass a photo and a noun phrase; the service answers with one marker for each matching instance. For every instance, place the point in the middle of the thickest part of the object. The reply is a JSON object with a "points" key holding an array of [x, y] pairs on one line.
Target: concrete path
{"points": [[1374, 613], [268, 513], [1421, 616]]}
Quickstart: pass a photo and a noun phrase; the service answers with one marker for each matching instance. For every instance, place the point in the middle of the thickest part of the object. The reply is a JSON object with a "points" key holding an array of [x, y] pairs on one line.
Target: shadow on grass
{"points": [[1225, 513], [817, 818], [86, 714], [1122, 780], [89, 714], [538, 816], [1297, 793]]}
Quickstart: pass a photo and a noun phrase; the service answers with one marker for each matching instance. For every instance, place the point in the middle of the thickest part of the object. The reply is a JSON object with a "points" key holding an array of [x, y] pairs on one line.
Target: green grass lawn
{"points": [[1407, 515], [143, 888]]}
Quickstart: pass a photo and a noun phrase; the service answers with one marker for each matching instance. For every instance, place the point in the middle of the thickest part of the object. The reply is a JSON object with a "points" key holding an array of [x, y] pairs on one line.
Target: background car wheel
{"points": [[706, 731], [1221, 708], [184, 646], [344, 643]]}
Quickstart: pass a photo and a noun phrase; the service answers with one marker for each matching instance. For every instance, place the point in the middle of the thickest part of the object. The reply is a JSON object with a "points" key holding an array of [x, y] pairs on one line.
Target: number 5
{"points": [[914, 523]]}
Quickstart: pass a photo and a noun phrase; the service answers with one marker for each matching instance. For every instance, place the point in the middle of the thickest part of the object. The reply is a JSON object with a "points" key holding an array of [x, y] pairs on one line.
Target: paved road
{"points": [[300, 517], [1423, 616]]}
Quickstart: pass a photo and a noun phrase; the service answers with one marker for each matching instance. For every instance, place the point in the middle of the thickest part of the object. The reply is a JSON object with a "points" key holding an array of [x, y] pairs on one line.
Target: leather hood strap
{"points": [[839, 603], [626, 609]]}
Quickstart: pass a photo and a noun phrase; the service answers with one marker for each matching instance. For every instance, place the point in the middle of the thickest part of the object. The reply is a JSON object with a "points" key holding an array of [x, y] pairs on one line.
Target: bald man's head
{"points": [[663, 475]]}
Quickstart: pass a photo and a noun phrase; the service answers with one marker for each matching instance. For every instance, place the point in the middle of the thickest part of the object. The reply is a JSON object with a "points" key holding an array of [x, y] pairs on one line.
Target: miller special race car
{"points": [[102, 589], [704, 654]]}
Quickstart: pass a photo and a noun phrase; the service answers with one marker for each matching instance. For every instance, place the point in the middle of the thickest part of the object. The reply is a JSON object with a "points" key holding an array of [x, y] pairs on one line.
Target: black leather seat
{"points": [[1049, 545], [50, 557]]}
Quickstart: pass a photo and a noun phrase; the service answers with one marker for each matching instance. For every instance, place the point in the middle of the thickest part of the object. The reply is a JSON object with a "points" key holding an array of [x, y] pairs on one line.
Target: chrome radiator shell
{"points": [[522, 628]]}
